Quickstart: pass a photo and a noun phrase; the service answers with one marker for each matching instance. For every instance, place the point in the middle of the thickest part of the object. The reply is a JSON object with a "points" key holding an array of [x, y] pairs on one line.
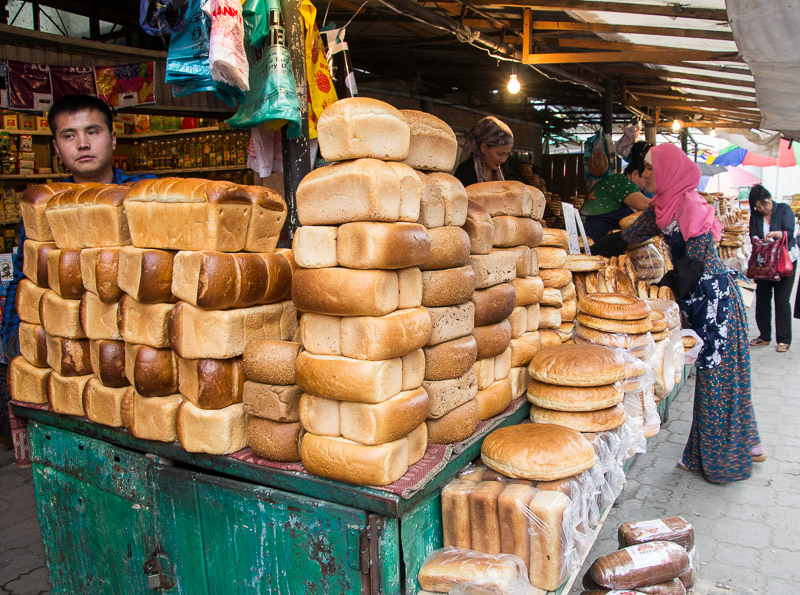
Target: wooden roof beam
{"points": [[649, 91], [637, 29], [651, 57], [672, 10], [660, 75]]}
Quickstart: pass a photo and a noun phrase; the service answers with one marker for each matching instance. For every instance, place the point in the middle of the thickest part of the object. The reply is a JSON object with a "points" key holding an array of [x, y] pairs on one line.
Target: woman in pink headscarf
{"points": [[723, 441]]}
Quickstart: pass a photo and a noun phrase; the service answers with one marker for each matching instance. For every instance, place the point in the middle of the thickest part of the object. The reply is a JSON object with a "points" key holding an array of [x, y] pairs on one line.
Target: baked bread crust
{"points": [[583, 421], [551, 257], [616, 306], [579, 263], [578, 365], [574, 398], [617, 340], [614, 326], [556, 238]]}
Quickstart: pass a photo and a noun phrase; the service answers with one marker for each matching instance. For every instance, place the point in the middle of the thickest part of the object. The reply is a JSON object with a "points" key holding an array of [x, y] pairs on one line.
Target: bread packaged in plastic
{"points": [[675, 529], [445, 568], [648, 262], [493, 586], [640, 565]]}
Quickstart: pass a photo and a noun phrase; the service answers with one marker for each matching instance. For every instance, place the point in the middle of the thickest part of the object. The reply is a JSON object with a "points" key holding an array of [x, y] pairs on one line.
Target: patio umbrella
{"points": [[788, 156]]}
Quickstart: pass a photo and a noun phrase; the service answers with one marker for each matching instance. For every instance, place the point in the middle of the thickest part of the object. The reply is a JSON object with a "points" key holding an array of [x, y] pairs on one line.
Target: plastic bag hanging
{"points": [[272, 98], [321, 92], [598, 157], [344, 79], [226, 43], [162, 17]]}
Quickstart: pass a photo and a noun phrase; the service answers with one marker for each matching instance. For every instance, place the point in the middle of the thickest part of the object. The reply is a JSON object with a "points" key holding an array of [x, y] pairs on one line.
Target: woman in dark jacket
{"points": [[770, 220], [487, 147]]}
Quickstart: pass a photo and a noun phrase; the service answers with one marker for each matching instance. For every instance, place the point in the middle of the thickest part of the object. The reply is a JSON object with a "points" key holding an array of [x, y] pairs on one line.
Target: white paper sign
{"points": [[128, 99], [579, 221], [571, 227]]}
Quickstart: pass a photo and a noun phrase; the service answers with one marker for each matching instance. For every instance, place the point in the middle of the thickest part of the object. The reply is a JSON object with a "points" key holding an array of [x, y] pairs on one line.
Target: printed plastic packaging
{"points": [[640, 565], [445, 568]]}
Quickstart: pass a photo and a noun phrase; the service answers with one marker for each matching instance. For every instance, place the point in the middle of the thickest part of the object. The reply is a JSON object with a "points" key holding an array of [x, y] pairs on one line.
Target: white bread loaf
{"points": [[551, 297], [493, 399], [503, 198], [524, 348], [492, 339], [555, 277], [216, 432], [347, 379], [447, 287], [270, 361], [69, 357], [89, 216], [211, 383], [345, 292], [439, 188], [518, 376], [502, 365], [153, 372], [569, 310], [357, 127], [547, 566], [360, 190], [455, 426], [145, 274], [555, 238], [376, 245], [99, 320], [103, 404], [144, 324], [385, 337], [433, 144], [108, 362], [528, 291], [314, 246], [274, 440], [450, 566], [413, 369], [64, 273], [493, 269], [223, 334], [28, 300], [549, 317], [33, 344], [60, 317], [449, 248], [451, 322], [151, 418], [276, 402], [26, 382], [34, 263], [100, 271], [532, 313], [516, 231], [65, 393], [455, 511], [446, 395], [519, 321], [524, 256], [218, 281], [196, 214], [32, 205], [319, 415], [512, 507], [493, 304], [409, 288], [551, 258], [321, 334], [450, 359], [479, 228], [569, 294], [534, 270], [484, 370]]}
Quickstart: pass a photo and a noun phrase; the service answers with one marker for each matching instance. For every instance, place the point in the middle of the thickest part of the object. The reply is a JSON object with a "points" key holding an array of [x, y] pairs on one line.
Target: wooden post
{"points": [[608, 106], [685, 140]]}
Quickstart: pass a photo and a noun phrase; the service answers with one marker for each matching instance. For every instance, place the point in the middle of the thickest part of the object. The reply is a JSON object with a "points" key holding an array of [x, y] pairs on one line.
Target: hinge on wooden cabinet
{"points": [[156, 569], [358, 549]]}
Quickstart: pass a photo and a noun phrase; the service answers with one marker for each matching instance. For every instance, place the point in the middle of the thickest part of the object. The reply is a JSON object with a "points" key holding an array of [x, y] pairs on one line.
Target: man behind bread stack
{"points": [[84, 138]]}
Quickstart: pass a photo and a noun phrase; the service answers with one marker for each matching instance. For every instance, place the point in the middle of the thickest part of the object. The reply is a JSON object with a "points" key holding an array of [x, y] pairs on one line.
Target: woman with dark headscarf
{"points": [[770, 220], [487, 146], [723, 441]]}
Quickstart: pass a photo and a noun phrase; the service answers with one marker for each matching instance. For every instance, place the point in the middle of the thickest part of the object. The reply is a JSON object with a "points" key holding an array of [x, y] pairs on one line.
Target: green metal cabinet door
{"points": [[94, 512], [226, 536]]}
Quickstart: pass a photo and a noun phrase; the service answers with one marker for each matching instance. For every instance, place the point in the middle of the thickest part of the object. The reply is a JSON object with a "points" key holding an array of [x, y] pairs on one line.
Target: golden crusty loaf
{"points": [[145, 274], [26, 382], [33, 344], [528, 291], [211, 383], [153, 372], [345, 292], [447, 287], [223, 334], [578, 365], [349, 379], [583, 262], [89, 216], [378, 245], [103, 404], [32, 205], [504, 198], [555, 277], [523, 348], [34, 263], [555, 238], [598, 420], [144, 324], [270, 361], [60, 317], [344, 460], [493, 268], [454, 426], [449, 248], [494, 399], [108, 362], [99, 320], [574, 398], [614, 326], [516, 231], [100, 270], [65, 393], [443, 200], [450, 359], [616, 306], [69, 357], [314, 246], [551, 257], [549, 316], [197, 214], [215, 280], [360, 190], [64, 273], [450, 566], [151, 418], [493, 304], [216, 432], [274, 440], [541, 452], [277, 402], [551, 297], [433, 145], [480, 228], [357, 127]]}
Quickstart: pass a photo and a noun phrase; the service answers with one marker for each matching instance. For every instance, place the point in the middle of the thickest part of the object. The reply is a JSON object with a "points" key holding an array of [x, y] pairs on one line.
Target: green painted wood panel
{"points": [[420, 534], [225, 536], [95, 539]]}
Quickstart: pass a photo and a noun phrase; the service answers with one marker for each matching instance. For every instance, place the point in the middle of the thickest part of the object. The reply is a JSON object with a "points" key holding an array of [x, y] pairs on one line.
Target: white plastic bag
{"points": [[226, 50]]}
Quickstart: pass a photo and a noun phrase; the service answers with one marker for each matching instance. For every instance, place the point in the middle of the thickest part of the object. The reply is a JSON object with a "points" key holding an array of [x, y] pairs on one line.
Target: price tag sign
{"points": [[574, 226]]}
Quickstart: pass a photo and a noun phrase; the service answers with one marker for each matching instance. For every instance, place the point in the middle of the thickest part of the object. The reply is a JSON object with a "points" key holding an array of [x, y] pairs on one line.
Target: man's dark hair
{"points": [[72, 104], [758, 194], [636, 157]]}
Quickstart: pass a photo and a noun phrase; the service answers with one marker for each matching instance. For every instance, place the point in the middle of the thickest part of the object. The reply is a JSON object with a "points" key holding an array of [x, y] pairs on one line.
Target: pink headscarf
{"points": [[676, 196]]}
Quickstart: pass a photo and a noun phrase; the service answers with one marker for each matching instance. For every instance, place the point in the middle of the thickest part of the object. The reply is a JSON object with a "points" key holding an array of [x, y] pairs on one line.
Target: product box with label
{"points": [[119, 127], [42, 124], [10, 122], [27, 122], [25, 142]]}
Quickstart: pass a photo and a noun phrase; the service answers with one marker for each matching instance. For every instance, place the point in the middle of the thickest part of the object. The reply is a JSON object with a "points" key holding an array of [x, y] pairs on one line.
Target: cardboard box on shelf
{"points": [[27, 122], [10, 122], [25, 142], [42, 124], [119, 127]]}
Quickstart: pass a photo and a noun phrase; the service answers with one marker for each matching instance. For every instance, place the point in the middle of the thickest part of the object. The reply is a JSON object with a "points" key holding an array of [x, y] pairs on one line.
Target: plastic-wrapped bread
{"points": [[445, 568], [640, 565], [550, 562], [675, 528], [89, 216], [484, 519]]}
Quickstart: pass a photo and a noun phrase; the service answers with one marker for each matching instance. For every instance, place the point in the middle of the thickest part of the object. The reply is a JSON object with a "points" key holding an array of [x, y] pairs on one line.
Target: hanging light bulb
{"points": [[713, 133], [676, 125], [513, 84]]}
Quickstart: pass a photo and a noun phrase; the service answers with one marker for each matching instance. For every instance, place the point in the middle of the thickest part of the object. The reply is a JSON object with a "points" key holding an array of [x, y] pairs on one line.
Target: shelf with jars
{"points": [[198, 152]]}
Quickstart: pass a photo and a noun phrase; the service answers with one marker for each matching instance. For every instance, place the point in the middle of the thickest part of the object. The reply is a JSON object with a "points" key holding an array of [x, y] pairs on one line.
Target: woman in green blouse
{"points": [[617, 196]]}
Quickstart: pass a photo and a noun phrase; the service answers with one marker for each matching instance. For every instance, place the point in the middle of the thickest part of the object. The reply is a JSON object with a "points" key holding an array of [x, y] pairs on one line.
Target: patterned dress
{"points": [[724, 428]]}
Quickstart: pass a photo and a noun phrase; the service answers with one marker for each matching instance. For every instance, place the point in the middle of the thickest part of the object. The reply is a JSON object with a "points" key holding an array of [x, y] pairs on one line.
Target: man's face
{"points": [[85, 145]]}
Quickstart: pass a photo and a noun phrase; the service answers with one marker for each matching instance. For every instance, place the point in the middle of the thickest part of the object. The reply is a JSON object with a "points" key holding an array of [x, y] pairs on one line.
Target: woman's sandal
{"points": [[758, 342], [782, 348]]}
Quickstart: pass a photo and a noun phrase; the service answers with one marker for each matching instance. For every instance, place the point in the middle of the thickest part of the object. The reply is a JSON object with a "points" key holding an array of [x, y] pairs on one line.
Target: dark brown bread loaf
{"points": [[640, 565], [675, 528]]}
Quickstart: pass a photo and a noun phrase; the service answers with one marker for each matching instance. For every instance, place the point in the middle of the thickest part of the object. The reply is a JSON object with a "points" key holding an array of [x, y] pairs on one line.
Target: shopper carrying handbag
{"points": [[773, 221]]}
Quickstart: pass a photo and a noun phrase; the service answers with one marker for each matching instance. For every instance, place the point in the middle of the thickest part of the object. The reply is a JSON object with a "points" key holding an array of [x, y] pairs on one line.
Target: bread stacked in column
{"points": [[558, 305], [201, 280], [616, 320], [507, 289], [359, 288]]}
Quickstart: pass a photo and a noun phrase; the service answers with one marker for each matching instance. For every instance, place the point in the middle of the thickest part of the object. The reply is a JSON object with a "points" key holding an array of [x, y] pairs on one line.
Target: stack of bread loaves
{"points": [[616, 320], [578, 386], [359, 287], [507, 288], [557, 306]]}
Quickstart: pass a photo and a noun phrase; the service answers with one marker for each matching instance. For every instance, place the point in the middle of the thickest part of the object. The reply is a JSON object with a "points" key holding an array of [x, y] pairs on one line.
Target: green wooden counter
{"points": [[124, 515]]}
